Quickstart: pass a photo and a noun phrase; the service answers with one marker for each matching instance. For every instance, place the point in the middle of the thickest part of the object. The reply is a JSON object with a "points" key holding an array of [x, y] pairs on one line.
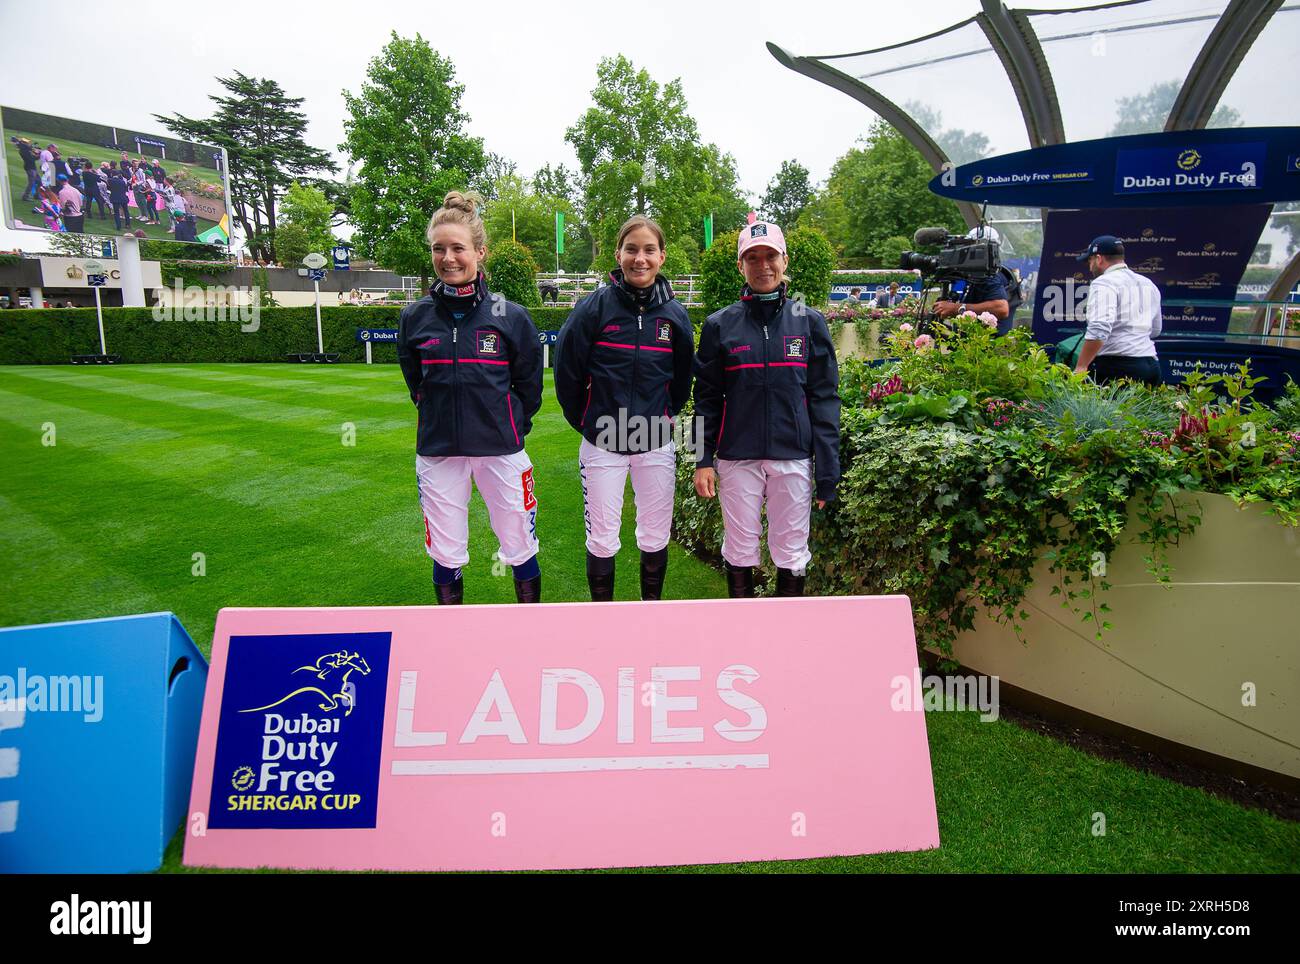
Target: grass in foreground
{"points": [[245, 463]]}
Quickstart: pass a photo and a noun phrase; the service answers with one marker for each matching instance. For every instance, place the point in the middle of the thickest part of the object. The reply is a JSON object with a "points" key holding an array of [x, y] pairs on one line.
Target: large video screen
{"points": [[64, 175]]}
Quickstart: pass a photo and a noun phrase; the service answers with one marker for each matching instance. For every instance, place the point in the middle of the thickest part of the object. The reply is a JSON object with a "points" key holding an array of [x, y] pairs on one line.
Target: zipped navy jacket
{"points": [[620, 357], [476, 380], [769, 390]]}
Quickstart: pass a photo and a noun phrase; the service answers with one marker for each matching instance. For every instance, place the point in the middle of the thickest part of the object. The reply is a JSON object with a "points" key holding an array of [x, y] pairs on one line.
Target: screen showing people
{"points": [[77, 177]]}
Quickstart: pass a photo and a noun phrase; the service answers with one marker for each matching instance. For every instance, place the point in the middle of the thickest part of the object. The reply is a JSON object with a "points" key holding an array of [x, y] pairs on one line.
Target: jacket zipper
{"points": [[767, 399], [455, 389], [636, 352]]}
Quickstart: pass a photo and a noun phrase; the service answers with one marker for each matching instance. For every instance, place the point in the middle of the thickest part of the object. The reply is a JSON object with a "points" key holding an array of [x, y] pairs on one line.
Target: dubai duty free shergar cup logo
{"points": [[341, 665], [1189, 160], [977, 180]]}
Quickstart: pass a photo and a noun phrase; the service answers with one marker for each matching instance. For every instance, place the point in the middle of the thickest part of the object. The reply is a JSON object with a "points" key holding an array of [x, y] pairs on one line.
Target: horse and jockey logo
{"points": [[334, 669], [489, 343], [794, 348], [665, 332]]}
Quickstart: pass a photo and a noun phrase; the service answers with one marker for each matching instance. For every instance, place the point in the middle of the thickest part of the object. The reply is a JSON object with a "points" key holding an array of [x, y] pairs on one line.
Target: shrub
{"points": [[969, 459], [676, 264], [812, 260], [720, 280], [512, 272]]}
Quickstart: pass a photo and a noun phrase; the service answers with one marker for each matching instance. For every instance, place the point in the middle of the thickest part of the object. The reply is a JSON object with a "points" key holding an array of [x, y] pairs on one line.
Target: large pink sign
{"points": [[565, 735]]}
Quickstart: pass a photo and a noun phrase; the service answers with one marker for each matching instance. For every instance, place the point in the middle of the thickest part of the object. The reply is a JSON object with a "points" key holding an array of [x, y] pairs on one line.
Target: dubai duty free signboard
{"points": [[560, 736]]}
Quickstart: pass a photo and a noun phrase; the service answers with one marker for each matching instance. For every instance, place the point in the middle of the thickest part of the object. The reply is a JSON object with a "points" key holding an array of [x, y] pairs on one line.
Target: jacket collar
{"points": [[749, 296], [462, 298], [661, 292]]}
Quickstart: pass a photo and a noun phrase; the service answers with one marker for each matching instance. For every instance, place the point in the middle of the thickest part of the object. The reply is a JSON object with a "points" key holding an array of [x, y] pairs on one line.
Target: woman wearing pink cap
{"points": [[767, 388]]}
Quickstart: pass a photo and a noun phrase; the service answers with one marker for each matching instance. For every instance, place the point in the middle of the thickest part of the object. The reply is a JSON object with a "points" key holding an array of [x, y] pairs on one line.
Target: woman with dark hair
{"points": [[622, 373]]}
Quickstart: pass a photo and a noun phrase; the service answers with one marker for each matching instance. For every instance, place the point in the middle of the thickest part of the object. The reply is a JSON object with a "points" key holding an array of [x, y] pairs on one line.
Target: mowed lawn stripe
{"points": [[376, 393], [260, 410], [269, 503], [235, 403], [64, 574]]}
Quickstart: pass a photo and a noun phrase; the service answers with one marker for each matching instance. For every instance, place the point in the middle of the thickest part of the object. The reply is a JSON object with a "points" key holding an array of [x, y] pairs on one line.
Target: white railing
{"points": [[565, 290]]}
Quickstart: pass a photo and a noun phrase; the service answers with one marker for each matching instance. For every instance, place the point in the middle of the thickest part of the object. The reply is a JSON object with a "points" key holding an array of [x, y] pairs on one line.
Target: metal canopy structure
{"points": [[1009, 79]]}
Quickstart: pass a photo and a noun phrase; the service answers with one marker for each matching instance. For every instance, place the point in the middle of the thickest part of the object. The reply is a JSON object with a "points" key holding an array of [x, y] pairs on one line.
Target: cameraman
{"points": [[987, 294]]}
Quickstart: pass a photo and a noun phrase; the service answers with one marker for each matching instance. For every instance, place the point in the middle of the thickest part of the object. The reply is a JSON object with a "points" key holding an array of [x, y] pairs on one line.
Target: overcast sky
{"points": [[528, 74]]}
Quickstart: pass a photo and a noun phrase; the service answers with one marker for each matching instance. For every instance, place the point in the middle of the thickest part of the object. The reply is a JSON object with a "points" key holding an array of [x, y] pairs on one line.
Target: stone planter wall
{"points": [[1180, 656]]}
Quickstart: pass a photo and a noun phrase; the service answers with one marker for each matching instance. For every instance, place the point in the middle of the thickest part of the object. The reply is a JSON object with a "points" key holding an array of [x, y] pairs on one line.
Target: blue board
{"points": [[98, 724]]}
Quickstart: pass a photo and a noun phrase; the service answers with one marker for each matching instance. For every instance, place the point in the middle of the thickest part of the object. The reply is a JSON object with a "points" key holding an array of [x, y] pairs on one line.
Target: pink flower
{"points": [[988, 318], [904, 327], [923, 343]]}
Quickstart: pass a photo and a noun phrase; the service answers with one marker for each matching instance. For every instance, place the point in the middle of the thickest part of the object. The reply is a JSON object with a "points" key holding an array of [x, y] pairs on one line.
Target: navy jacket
{"points": [[617, 354], [476, 380], [770, 391]]}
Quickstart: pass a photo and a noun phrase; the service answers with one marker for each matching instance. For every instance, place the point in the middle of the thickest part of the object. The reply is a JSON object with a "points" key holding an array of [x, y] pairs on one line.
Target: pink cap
{"points": [[760, 234]]}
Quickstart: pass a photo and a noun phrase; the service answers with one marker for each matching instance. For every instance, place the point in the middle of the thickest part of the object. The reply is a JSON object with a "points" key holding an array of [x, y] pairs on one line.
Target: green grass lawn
{"points": [[93, 224], [245, 464]]}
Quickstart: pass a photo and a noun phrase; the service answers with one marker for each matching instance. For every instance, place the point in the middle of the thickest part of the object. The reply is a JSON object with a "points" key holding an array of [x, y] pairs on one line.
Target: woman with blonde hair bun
{"points": [[473, 367]]}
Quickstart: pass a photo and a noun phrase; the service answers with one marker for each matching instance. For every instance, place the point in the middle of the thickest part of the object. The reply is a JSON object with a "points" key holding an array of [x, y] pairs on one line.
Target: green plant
{"points": [[720, 279], [969, 458], [812, 259], [512, 272], [677, 263]]}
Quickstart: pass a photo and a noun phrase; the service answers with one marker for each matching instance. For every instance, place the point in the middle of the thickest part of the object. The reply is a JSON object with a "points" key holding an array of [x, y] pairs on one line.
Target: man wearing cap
{"points": [[1123, 317], [70, 202]]}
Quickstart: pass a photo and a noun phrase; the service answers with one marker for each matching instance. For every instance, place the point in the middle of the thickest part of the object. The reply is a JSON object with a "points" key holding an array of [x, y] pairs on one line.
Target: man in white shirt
{"points": [[1123, 318]]}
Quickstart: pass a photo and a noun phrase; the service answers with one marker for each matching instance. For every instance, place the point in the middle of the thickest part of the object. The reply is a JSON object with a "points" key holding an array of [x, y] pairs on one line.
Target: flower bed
{"points": [[972, 458]]}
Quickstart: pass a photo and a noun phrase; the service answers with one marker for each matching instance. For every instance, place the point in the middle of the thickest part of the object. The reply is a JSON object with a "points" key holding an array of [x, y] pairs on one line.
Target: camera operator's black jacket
{"points": [[476, 379], [618, 353], [768, 387]]}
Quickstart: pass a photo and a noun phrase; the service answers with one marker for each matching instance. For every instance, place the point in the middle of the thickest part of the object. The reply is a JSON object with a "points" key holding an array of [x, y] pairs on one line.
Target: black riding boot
{"points": [[450, 593], [787, 583], [653, 567], [529, 590], [740, 581], [600, 577]]}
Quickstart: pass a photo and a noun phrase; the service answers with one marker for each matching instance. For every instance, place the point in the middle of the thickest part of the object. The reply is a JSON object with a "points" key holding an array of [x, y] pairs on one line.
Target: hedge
{"points": [[51, 336]]}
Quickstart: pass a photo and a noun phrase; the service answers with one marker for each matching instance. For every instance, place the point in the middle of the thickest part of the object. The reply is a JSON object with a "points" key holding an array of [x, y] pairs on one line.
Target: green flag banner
{"points": [[559, 232], [708, 231]]}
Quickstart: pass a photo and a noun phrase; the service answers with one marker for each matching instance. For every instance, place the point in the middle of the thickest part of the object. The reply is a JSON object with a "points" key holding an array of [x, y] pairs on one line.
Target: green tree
{"points": [[812, 259], [533, 216], [305, 216], [720, 279], [262, 130], [787, 195], [677, 263], [639, 152], [876, 192], [960, 146], [891, 250], [1147, 112], [512, 272], [408, 131]]}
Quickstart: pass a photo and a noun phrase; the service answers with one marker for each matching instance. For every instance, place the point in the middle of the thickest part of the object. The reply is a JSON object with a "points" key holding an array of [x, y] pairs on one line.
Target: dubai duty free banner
{"points": [[560, 736]]}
